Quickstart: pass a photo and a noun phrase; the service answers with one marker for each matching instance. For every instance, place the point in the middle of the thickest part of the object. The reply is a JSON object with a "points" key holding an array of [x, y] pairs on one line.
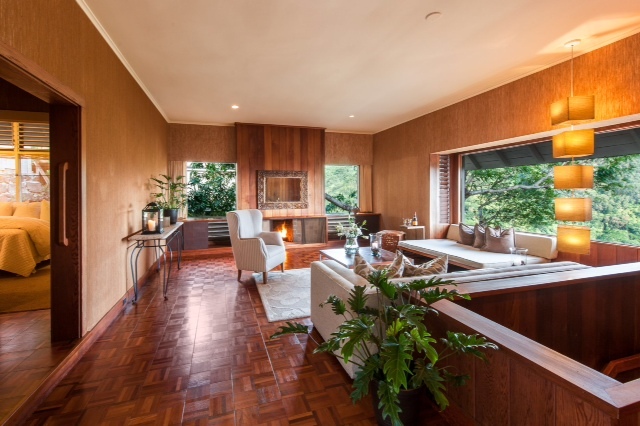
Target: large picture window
{"points": [[514, 187], [24, 161], [341, 189], [211, 189]]}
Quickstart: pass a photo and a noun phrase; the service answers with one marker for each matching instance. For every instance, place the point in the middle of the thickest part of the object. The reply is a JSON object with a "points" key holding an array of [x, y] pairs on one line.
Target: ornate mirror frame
{"points": [[263, 204]]}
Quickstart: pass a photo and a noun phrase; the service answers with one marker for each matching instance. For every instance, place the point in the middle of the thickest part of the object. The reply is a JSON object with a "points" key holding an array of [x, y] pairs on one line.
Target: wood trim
{"points": [[279, 125], [32, 78]]}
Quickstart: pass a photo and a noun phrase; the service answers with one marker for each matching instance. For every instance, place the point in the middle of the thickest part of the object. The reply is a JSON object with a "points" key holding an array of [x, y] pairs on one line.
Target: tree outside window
{"points": [[341, 189], [211, 189]]}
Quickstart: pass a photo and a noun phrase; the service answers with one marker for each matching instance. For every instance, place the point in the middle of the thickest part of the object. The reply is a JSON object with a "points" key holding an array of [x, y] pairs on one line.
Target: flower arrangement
{"points": [[351, 231]]}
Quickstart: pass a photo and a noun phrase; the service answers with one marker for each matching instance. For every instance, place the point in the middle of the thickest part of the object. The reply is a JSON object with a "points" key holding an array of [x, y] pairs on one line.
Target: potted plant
{"points": [[171, 195], [386, 334]]}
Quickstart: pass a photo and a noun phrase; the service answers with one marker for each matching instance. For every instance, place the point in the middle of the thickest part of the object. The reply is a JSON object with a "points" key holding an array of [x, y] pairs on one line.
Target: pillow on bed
{"points": [[27, 210], [433, 267], [45, 211], [467, 234], [6, 209]]}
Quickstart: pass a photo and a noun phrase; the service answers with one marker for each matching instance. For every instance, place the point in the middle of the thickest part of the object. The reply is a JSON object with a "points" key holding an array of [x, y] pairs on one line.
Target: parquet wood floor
{"points": [[204, 357]]}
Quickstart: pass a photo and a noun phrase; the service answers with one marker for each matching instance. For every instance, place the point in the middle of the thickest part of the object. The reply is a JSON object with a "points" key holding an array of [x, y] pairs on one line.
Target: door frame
{"points": [[67, 179]]}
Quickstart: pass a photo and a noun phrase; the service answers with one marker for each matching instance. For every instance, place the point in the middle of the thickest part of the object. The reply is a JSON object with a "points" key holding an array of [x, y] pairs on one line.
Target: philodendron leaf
{"points": [[290, 328], [434, 294], [428, 375], [337, 305], [356, 332], [364, 376], [395, 328], [357, 299], [413, 315], [468, 344], [396, 356], [423, 341], [389, 402]]}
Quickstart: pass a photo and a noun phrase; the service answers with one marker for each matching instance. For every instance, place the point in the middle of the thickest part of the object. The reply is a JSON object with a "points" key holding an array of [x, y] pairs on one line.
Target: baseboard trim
{"points": [[31, 402]]}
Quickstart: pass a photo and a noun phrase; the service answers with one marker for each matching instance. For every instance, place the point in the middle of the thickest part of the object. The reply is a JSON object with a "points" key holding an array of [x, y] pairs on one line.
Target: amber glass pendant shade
{"points": [[574, 239], [573, 209], [574, 143], [573, 177], [573, 110]]}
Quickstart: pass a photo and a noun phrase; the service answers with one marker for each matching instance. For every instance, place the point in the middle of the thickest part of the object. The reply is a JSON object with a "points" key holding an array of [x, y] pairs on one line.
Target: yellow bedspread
{"points": [[23, 243]]}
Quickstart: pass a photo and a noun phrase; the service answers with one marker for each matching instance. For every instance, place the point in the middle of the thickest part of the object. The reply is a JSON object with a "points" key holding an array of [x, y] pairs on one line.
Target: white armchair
{"points": [[253, 248]]}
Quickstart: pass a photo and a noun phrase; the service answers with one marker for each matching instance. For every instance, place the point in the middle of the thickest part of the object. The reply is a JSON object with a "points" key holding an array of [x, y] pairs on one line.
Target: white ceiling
{"points": [[315, 62]]}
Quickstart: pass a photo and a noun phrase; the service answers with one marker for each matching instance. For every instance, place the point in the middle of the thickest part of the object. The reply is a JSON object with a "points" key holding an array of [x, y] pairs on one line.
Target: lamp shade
{"points": [[573, 177], [573, 110], [575, 143], [574, 239], [573, 209]]}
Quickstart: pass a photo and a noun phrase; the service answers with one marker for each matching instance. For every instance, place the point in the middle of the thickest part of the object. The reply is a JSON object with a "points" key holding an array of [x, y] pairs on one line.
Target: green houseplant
{"points": [[386, 334], [171, 195]]}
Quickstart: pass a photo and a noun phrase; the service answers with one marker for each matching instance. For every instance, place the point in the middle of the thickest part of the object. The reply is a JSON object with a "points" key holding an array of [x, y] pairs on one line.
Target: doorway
{"points": [[65, 116]]}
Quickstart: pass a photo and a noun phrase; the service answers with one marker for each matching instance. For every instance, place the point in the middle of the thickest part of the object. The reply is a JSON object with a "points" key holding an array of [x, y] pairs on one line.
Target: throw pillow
{"points": [[6, 209], [499, 240], [45, 211], [361, 266], [396, 268], [479, 239], [467, 234], [27, 210], [433, 267]]}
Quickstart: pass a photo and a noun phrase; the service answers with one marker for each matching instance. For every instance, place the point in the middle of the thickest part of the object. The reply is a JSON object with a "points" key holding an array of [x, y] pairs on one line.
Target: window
{"points": [[24, 161], [211, 189], [444, 189], [341, 189], [514, 187]]}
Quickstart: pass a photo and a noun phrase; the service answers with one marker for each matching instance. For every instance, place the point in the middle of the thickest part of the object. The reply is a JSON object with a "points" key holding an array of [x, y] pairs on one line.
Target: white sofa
{"points": [[329, 277], [542, 249]]}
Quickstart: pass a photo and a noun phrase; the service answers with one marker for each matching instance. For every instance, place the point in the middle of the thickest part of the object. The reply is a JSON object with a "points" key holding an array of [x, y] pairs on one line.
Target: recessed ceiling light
{"points": [[433, 16], [234, 107], [351, 116]]}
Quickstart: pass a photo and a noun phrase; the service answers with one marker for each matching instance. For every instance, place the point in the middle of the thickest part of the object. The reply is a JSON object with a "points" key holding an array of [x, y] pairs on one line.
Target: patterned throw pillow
{"points": [[479, 240], [396, 268], [467, 234], [436, 266], [499, 240], [361, 266]]}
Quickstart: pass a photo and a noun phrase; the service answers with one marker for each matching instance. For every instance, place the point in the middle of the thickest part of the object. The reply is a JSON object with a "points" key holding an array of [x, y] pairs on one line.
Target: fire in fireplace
{"points": [[284, 227]]}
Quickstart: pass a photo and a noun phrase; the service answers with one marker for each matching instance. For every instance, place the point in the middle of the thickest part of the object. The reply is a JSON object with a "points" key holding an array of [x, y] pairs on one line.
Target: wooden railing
{"points": [[592, 315]]}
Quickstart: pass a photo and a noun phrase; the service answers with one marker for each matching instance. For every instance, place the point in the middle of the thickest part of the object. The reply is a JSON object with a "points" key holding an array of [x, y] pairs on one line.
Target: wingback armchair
{"points": [[253, 248]]}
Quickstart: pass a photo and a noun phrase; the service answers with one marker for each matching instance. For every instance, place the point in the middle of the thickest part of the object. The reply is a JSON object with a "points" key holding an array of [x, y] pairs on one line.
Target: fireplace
{"points": [[302, 230]]}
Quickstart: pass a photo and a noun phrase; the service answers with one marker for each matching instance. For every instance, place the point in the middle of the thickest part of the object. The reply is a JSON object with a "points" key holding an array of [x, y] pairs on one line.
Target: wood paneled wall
{"points": [[271, 147], [210, 144], [604, 254], [401, 154]]}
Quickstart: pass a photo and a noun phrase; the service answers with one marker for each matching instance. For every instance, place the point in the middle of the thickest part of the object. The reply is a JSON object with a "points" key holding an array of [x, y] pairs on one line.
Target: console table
{"points": [[156, 241]]}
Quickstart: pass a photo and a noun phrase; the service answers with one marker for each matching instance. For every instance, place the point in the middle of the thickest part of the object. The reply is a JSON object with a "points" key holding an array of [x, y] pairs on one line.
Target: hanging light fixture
{"points": [[574, 109], [574, 239], [573, 209], [573, 176]]}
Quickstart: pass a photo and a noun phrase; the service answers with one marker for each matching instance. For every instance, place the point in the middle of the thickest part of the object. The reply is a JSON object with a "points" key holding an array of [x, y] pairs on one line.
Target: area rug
{"points": [[286, 295], [19, 294]]}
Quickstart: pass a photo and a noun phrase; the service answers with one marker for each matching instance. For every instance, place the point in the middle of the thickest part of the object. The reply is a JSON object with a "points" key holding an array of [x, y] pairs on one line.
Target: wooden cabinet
{"points": [[413, 232], [373, 222]]}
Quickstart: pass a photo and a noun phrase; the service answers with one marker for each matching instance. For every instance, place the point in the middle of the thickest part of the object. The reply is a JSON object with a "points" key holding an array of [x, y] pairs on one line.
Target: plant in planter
{"points": [[171, 195], [386, 334]]}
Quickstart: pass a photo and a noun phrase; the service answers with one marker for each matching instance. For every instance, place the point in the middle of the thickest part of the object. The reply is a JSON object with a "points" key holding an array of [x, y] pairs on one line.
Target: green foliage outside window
{"points": [[341, 184], [523, 197], [212, 189]]}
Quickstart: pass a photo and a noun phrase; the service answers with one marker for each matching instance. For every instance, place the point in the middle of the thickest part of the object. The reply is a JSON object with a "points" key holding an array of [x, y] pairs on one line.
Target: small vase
{"points": [[351, 245]]}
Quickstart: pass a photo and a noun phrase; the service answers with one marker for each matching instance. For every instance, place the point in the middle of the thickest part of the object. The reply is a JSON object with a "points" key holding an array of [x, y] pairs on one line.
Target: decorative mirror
{"points": [[282, 190]]}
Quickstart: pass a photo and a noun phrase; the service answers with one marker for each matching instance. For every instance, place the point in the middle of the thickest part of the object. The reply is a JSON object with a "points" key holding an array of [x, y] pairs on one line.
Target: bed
{"points": [[24, 238]]}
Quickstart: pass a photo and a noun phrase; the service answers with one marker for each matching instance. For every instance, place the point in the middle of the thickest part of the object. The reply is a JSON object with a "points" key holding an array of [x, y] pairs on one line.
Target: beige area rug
{"points": [[286, 295], [19, 294]]}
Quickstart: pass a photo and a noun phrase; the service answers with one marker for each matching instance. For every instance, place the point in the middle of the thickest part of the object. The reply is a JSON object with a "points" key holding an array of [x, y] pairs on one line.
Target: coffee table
{"points": [[340, 256]]}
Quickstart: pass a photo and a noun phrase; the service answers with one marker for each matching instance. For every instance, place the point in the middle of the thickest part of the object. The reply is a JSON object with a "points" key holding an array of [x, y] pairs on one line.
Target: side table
{"points": [[156, 241], [413, 232]]}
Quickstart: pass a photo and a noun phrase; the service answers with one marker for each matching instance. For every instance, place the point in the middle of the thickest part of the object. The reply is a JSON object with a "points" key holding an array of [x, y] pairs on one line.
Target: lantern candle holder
{"points": [[152, 219], [374, 242]]}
